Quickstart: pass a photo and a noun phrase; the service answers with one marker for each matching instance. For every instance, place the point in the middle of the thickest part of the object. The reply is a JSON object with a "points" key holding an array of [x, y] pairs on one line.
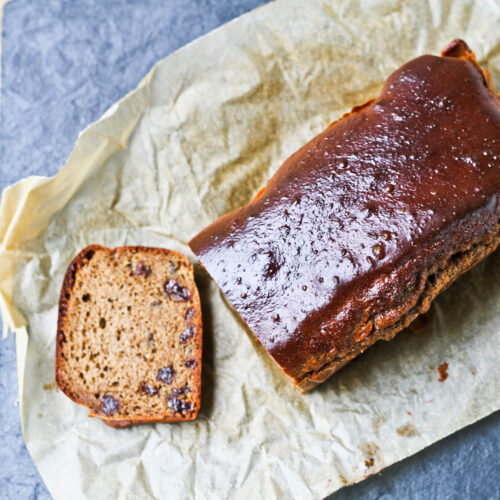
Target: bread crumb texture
{"points": [[129, 335]]}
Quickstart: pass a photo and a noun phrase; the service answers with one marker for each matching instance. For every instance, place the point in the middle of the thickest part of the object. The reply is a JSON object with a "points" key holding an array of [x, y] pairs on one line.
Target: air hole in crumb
{"points": [[102, 323]]}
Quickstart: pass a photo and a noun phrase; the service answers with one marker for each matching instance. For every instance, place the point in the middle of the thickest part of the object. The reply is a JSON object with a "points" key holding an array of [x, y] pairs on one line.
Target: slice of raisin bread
{"points": [[129, 335]]}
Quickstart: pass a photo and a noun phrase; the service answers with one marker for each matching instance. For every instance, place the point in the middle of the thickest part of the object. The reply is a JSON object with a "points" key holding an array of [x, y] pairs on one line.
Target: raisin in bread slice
{"points": [[129, 335]]}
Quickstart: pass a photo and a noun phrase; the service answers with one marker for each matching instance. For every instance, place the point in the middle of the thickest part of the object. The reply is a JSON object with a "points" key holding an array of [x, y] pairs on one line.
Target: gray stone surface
{"points": [[63, 64]]}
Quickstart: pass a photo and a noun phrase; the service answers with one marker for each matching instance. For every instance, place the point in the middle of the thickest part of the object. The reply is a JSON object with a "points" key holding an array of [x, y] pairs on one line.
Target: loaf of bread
{"points": [[359, 230], [129, 335]]}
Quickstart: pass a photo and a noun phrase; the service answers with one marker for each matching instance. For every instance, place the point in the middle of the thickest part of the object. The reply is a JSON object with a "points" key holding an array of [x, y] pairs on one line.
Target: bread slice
{"points": [[129, 335]]}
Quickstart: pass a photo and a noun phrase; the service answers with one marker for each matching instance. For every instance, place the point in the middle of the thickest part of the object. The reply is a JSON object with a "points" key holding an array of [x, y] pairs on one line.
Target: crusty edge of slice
{"points": [[68, 282]]}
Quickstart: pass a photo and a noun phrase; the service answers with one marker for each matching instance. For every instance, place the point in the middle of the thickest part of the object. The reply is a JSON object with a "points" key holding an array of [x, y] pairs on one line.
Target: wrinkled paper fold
{"points": [[199, 136]]}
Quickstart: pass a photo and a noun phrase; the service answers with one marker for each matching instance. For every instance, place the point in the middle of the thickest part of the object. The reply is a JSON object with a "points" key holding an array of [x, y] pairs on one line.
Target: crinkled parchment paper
{"points": [[203, 131]]}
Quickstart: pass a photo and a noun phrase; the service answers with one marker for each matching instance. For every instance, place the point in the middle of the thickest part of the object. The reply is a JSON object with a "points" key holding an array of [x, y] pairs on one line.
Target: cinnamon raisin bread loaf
{"points": [[359, 230], [129, 335]]}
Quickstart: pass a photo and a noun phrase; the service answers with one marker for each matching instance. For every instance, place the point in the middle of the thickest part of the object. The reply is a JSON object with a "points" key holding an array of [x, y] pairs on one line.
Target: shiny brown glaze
{"points": [[349, 224]]}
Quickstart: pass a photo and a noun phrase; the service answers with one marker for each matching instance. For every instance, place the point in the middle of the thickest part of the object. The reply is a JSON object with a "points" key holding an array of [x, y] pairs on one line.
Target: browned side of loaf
{"points": [[430, 284]]}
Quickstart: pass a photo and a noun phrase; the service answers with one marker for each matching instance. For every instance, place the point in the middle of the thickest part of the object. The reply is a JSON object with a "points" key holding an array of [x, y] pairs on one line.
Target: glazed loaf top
{"points": [[343, 231]]}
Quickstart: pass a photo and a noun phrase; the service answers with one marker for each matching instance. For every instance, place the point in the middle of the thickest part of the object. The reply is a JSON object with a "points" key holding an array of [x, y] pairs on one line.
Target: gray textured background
{"points": [[63, 64]]}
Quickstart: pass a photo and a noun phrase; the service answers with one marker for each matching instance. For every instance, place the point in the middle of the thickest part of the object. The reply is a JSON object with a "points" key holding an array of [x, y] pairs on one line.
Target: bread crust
{"points": [[336, 251], [438, 279], [60, 373]]}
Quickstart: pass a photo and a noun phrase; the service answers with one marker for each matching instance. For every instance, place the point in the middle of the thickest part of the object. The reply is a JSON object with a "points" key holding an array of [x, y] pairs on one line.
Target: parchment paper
{"points": [[203, 131]]}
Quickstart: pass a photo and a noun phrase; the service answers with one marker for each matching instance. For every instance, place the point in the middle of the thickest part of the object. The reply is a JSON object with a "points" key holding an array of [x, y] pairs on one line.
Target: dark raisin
{"points": [[155, 303], [109, 405], [151, 338], [102, 323], [175, 291], [189, 314], [190, 363], [187, 334], [89, 254], [166, 374], [143, 270], [179, 392], [86, 297], [149, 389], [179, 405]]}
